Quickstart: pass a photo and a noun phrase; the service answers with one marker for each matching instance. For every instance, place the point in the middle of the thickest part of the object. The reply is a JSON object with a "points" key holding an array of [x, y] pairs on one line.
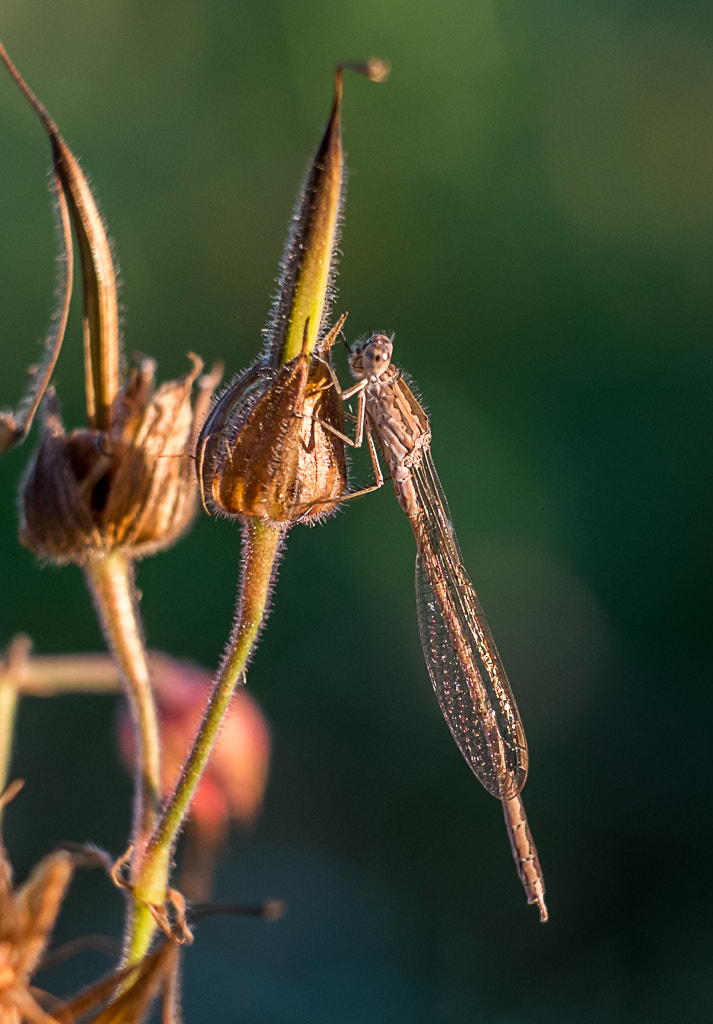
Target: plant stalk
{"points": [[111, 582], [261, 547], [9, 698]]}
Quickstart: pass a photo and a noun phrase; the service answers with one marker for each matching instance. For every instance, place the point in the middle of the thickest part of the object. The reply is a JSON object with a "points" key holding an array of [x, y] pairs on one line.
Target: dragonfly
{"points": [[466, 670]]}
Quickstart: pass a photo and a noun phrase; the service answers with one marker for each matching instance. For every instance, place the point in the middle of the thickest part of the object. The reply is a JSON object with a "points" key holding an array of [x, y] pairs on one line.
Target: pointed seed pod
{"points": [[264, 450]]}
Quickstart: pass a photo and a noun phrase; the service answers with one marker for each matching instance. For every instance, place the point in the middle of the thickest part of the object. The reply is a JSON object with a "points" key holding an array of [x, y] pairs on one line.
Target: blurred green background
{"points": [[530, 209]]}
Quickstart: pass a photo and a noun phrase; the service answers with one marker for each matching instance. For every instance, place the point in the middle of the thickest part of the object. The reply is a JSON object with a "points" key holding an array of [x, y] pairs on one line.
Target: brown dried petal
{"points": [[56, 520], [37, 904], [153, 498], [131, 487]]}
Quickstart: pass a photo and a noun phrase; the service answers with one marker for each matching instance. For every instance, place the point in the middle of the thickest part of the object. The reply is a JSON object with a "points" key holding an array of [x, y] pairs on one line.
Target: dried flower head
{"points": [[131, 486], [27, 917], [264, 450]]}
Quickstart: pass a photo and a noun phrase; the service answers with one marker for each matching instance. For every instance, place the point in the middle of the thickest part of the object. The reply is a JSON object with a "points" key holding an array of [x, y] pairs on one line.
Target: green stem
{"points": [[111, 582], [261, 548]]}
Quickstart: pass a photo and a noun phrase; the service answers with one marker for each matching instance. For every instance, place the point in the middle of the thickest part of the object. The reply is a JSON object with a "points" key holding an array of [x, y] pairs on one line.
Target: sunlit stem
{"points": [[12, 672], [111, 582], [261, 548], [52, 674], [8, 706]]}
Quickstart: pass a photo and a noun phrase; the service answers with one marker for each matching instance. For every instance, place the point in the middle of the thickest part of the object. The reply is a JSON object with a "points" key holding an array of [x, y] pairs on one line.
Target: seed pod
{"points": [[263, 450]]}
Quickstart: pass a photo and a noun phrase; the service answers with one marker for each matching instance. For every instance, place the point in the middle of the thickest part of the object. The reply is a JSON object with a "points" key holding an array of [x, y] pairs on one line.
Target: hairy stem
{"points": [[111, 582], [261, 548], [50, 675]]}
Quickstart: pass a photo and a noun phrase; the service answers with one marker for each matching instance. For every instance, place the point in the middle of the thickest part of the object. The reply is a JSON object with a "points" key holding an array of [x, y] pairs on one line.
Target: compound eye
{"points": [[376, 357]]}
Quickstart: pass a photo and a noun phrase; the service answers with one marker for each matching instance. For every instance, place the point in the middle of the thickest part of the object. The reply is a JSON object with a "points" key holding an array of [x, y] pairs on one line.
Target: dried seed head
{"points": [[27, 917], [130, 486], [264, 451]]}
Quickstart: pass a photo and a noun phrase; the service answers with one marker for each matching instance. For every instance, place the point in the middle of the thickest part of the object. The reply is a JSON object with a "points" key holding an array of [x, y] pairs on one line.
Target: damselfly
{"points": [[463, 661]]}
